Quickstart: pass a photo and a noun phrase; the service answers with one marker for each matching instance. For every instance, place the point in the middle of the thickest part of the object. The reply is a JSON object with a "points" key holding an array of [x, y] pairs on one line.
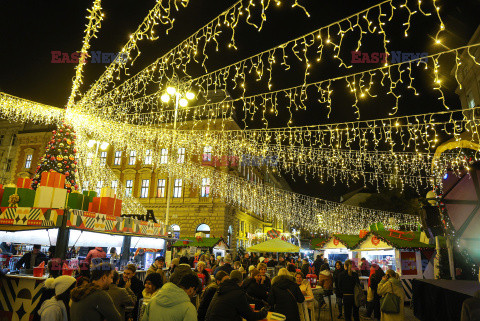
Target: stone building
{"points": [[191, 210]]}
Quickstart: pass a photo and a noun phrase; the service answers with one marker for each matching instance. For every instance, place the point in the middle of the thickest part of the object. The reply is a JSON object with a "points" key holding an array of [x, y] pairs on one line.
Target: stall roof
{"points": [[350, 241], [393, 240], [275, 245], [204, 242], [318, 242]]}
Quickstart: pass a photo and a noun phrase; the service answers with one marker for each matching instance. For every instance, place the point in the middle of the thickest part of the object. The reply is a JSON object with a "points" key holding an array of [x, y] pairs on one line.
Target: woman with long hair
{"points": [[338, 294], [391, 284], [348, 280], [57, 308], [284, 295]]}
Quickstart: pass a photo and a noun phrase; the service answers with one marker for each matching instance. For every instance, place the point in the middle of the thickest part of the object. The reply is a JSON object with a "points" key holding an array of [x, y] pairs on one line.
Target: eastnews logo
{"points": [[359, 57], [96, 57]]}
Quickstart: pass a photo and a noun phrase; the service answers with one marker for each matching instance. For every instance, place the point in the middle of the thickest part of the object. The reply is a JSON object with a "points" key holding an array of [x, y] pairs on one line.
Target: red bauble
{"points": [[75, 170], [75, 162], [64, 139], [67, 167], [61, 130], [52, 147], [59, 140], [54, 131], [76, 186], [72, 181], [52, 158], [66, 151], [67, 133]]}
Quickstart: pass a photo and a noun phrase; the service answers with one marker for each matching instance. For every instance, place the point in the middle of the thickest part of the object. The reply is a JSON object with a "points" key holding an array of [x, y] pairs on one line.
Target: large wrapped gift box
{"points": [[59, 198], [24, 183], [106, 205], [78, 201], [26, 197], [107, 192], [53, 179], [43, 197]]}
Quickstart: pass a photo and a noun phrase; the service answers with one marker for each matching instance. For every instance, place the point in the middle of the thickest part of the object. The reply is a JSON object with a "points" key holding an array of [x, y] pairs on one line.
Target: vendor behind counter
{"points": [[32, 259]]}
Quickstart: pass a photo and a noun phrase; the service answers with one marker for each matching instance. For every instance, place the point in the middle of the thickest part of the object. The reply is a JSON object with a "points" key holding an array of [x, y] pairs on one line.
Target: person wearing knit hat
{"points": [[57, 308], [236, 275]]}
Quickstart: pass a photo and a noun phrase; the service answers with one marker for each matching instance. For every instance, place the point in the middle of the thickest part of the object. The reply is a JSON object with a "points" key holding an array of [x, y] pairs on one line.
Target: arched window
{"points": [[229, 236], [204, 228], [175, 231]]}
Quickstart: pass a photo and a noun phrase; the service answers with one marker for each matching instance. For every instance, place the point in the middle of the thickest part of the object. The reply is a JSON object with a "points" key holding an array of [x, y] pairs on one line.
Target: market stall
{"points": [[274, 246], [213, 245], [400, 251], [338, 247]]}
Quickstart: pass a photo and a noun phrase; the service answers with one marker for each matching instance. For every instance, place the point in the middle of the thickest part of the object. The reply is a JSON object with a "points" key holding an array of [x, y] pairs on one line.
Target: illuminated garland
{"points": [[23, 110], [94, 23], [181, 55]]}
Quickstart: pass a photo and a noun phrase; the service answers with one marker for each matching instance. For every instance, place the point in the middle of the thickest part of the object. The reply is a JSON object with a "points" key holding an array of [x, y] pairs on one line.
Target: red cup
{"points": [[67, 272], [38, 271], [252, 306]]}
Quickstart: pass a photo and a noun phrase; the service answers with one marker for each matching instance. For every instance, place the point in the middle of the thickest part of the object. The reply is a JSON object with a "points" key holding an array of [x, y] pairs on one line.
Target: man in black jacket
{"points": [[284, 295], [230, 302], [32, 259], [129, 280], [208, 294], [318, 264]]}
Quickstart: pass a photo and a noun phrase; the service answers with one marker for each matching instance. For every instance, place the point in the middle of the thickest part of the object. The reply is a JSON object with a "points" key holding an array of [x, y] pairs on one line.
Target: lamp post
{"points": [[179, 92]]}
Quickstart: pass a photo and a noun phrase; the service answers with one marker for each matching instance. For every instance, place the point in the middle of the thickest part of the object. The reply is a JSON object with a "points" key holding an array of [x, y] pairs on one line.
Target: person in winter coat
{"points": [[208, 294], [305, 287], [153, 283], [266, 283], [122, 298], [227, 266], [91, 302], [373, 299], [346, 284], [338, 294], [256, 293], [230, 302], [325, 278], [129, 280], [284, 295], [172, 302], [157, 267], [305, 267], [391, 284], [471, 307], [97, 252], [201, 270], [318, 263], [83, 273], [32, 259], [57, 308]]}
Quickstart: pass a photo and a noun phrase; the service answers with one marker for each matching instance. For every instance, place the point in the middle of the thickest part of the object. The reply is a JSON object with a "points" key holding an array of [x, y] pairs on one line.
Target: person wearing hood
{"points": [[91, 301], [338, 294], [97, 252], [172, 302], [373, 299], [305, 267], [256, 293], [122, 298], [284, 295], [56, 308], [230, 302], [391, 284], [208, 294], [471, 306]]}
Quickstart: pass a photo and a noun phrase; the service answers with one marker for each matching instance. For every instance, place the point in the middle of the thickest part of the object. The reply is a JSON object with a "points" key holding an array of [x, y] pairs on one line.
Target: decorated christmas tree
{"points": [[59, 157]]}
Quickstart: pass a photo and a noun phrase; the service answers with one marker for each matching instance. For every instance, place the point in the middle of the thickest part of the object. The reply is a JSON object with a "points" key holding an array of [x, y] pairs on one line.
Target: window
{"points": [[161, 188], [115, 186], [9, 165], [148, 157], [28, 161], [164, 156], [85, 186], [176, 231], [470, 100], [181, 156], [144, 190], [207, 154], [205, 187], [133, 158], [118, 158], [242, 226], [177, 188], [204, 228], [1, 139], [128, 188], [14, 139], [99, 187], [89, 159], [103, 158]]}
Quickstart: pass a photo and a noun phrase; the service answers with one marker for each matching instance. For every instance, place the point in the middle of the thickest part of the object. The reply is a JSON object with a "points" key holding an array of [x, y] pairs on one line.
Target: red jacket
{"points": [[97, 252]]}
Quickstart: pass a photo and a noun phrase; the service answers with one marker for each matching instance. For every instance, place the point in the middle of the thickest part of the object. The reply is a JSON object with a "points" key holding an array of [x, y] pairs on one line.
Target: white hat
{"points": [[60, 284], [261, 259]]}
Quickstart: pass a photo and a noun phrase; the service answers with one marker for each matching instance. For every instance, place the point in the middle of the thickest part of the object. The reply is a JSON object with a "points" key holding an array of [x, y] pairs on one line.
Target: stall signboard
{"points": [[372, 242], [84, 220], [29, 216], [408, 262]]}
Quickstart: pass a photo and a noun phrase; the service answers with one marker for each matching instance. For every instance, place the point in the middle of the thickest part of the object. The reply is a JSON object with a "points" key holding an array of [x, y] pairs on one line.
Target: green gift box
{"points": [[90, 193], [78, 201], [377, 227], [26, 197]]}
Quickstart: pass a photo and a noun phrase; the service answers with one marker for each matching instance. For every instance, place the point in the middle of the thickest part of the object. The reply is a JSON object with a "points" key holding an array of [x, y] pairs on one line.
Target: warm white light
{"points": [[183, 102], [171, 91], [190, 95], [104, 146], [165, 98], [91, 143]]}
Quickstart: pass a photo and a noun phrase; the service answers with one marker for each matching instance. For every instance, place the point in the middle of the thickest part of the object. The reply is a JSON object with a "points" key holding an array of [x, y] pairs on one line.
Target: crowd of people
{"points": [[216, 289]]}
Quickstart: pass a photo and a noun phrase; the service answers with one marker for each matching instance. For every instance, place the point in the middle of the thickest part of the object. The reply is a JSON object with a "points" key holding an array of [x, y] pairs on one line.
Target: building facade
{"points": [[191, 210]]}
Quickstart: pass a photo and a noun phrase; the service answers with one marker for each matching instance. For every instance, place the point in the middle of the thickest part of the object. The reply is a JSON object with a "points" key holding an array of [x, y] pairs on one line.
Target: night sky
{"points": [[31, 29]]}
